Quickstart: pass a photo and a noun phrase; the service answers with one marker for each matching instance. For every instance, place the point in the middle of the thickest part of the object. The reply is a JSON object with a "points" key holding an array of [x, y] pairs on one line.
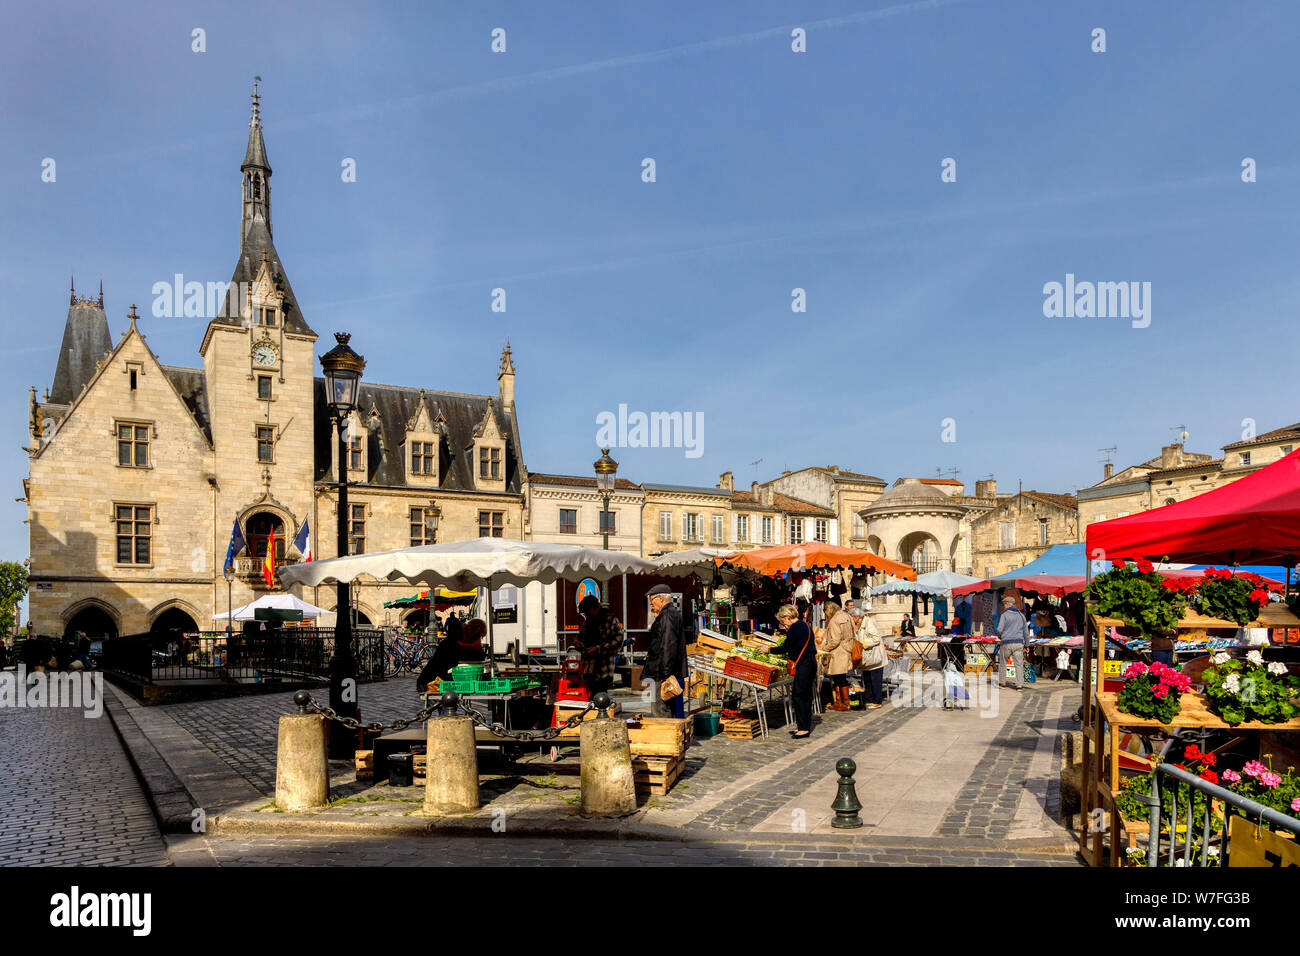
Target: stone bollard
{"points": [[847, 804], [302, 772], [608, 788], [451, 762]]}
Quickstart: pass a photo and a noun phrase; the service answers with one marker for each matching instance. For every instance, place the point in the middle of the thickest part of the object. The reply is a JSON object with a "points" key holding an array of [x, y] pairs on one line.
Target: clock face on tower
{"points": [[264, 356]]}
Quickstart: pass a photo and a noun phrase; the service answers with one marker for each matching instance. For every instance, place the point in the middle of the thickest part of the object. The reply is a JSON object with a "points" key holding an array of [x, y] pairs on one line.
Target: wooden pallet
{"points": [[746, 729], [365, 764], [656, 775]]}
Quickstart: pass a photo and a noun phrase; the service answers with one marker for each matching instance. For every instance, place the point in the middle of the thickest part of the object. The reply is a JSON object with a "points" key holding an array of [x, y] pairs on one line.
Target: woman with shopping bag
{"points": [[800, 650], [873, 662], [838, 645]]}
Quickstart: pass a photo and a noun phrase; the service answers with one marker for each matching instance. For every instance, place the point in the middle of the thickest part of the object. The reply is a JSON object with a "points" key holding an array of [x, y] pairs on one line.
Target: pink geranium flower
{"points": [[1270, 779], [1160, 690], [1295, 804], [1254, 768], [1231, 776]]}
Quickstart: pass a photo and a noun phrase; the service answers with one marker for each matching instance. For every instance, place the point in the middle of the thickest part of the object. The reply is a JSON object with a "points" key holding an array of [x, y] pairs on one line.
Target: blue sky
{"points": [[775, 171]]}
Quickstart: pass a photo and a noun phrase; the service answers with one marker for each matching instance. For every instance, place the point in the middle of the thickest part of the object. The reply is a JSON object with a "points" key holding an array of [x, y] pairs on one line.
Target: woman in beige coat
{"points": [[838, 643]]}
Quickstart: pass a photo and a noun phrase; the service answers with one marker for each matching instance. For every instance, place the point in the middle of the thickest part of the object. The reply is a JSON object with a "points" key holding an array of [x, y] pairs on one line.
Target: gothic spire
{"points": [[256, 170]]}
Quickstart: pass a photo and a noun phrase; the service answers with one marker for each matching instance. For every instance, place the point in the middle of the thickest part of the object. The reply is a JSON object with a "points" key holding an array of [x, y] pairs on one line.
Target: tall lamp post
{"points": [[606, 472], [228, 572], [431, 516], [342, 368]]}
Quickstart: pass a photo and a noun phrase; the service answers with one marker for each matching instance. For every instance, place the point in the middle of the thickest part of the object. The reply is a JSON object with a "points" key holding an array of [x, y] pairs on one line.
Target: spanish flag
{"points": [[268, 566]]}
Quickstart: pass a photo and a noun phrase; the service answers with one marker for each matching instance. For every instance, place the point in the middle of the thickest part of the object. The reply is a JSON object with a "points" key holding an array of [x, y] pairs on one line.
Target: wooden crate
{"points": [[656, 775], [742, 729], [573, 733], [660, 737], [365, 764]]}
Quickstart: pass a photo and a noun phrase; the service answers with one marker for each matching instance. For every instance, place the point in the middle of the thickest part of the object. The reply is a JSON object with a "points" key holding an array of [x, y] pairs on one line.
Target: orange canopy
{"points": [[813, 554]]}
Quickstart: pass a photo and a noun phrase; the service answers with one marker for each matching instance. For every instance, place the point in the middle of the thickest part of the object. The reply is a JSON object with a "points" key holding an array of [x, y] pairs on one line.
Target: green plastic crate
{"points": [[467, 672]]}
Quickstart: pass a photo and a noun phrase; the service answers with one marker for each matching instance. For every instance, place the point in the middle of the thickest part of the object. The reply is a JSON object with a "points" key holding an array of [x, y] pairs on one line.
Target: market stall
{"points": [[1217, 708]]}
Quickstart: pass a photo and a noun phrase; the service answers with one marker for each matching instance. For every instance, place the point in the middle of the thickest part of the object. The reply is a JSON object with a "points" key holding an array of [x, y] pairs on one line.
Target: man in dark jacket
{"points": [[599, 641], [667, 656]]}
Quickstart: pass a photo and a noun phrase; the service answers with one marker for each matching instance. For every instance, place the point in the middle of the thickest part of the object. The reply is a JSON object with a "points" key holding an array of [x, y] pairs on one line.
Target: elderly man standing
{"points": [[667, 655], [1012, 631]]}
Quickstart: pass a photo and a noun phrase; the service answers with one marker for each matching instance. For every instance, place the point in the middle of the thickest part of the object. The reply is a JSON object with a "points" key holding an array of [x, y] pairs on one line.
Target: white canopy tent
{"points": [[280, 602], [935, 583], [483, 562]]}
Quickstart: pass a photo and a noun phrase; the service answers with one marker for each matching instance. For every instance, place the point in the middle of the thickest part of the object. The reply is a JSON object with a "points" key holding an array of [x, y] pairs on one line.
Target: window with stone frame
{"points": [[422, 457], [489, 463], [769, 529], [821, 530], [420, 533], [1006, 534], [608, 523], [742, 528], [266, 443], [1042, 531], [357, 529], [665, 526], [491, 524], [134, 533], [795, 531], [133, 444], [568, 521], [718, 529], [264, 388]]}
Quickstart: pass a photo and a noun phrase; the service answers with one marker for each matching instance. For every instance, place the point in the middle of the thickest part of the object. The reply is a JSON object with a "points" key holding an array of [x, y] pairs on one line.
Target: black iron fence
{"points": [[301, 654]]}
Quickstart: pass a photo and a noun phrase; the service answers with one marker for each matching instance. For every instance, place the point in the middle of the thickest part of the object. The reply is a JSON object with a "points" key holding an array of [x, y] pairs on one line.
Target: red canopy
{"points": [[1057, 584], [1255, 520]]}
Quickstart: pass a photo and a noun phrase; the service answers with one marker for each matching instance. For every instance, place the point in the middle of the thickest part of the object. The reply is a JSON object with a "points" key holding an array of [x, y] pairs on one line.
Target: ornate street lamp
{"points": [[228, 572], [606, 473], [432, 514], [343, 368]]}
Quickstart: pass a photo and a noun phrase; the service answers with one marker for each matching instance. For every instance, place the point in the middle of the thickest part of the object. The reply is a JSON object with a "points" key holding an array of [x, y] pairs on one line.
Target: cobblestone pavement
{"points": [[242, 730], [69, 796], [504, 850], [986, 804]]}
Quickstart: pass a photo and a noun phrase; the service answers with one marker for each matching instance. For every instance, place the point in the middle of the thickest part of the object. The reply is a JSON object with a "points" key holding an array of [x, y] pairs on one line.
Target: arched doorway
{"points": [[261, 531], [95, 622], [416, 620], [173, 620], [921, 550], [362, 619]]}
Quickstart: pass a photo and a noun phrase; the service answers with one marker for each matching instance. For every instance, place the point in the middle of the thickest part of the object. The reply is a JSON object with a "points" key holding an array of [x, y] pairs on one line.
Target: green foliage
{"points": [[1138, 598], [1137, 697], [1134, 811], [1227, 599], [13, 585], [1238, 691]]}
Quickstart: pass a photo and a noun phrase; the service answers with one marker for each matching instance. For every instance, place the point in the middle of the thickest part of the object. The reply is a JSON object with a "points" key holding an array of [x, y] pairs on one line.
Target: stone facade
{"points": [[1020, 529], [552, 499], [844, 493], [138, 471]]}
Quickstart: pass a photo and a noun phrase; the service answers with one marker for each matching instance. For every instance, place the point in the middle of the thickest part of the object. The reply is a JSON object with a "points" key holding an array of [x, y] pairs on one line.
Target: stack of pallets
{"points": [[742, 728]]}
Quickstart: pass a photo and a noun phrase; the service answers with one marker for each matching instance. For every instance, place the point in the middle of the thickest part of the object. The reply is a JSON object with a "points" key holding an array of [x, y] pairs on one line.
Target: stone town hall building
{"points": [[138, 470]]}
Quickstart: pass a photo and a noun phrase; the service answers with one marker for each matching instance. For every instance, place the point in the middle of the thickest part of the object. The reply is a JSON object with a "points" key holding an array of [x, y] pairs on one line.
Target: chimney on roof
{"points": [[833, 469], [986, 488], [1108, 471], [1171, 456], [726, 482]]}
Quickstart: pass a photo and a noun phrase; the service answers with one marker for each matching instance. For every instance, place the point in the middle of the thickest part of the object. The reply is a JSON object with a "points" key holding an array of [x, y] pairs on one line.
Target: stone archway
{"points": [[921, 550], [92, 618], [174, 619]]}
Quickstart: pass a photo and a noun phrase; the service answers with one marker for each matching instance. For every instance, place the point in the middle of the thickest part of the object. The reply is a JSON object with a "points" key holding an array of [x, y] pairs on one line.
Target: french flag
{"points": [[303, 541]]}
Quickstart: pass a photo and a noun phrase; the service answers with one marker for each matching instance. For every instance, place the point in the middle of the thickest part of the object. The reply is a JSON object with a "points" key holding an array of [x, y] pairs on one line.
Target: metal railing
{"points": [[294, 655], [1186, 837]]}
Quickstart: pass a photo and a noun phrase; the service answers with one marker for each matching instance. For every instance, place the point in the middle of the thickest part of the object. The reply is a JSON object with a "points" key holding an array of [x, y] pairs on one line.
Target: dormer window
{"points": [[489, 463], [489, 451], [422, 457], [268, 317]]}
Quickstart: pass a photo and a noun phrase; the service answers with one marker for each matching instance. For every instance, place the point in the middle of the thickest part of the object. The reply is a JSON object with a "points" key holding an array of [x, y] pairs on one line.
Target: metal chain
{"points": [[495, 728], [499, 730], [374, 726]]}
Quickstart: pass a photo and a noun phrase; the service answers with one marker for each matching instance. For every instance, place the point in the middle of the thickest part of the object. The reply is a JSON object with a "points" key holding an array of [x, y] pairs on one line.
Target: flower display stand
{"points": [[1104, 837]]}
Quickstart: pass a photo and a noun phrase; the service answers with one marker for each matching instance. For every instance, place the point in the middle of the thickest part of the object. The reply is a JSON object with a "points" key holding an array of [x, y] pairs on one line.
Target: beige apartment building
{"points": [[568, 509], [138, 471], [1020, 528]]}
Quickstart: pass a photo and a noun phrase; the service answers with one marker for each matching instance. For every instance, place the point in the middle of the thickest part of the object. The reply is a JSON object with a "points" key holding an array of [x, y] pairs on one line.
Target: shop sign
{"points": [[1252, 845]]}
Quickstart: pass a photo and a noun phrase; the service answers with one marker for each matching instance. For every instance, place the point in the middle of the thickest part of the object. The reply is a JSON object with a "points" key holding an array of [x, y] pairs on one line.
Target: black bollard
{"points": [[602, 701], [302, 699], [847, 804], [448, 703]]}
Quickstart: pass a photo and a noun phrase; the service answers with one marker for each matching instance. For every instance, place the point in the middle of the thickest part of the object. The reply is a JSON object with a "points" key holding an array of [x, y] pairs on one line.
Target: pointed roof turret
{"points": [[255, 155], [85, 341]]}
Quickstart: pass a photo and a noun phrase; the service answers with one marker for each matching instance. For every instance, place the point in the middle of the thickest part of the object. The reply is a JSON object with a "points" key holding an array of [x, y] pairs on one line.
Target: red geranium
{"points": [[1144, 566], [1192, 752], [1210, 775], [1117, 562], [1210, 760]]}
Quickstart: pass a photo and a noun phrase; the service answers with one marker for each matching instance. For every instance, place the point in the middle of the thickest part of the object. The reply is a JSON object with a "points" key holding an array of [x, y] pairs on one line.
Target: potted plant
{"points": [[1258, 782], [1240, 690], [1152, 691], [1139, 597], [1221, 594]]}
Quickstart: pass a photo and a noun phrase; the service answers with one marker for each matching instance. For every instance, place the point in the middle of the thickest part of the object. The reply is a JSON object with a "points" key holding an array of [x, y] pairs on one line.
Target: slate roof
{"points": [[192, 386], [395, 406], [1068, 502], [577, 481], [85, 342], [257, 242]]}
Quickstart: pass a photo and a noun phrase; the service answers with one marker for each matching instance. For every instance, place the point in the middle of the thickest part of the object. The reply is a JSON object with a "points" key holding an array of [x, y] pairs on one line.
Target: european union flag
{"points": [[237, 544]]}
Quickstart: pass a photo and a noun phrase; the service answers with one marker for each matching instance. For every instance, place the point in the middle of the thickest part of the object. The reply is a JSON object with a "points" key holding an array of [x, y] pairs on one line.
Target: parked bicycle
{"points": [[406, 652]]}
